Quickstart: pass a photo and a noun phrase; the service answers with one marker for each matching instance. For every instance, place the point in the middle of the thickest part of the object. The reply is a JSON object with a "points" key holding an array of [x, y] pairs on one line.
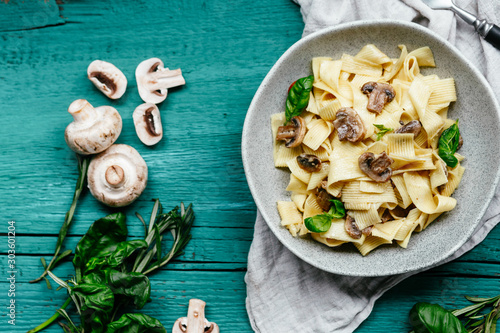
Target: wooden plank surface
{"points": [[224, 49]]}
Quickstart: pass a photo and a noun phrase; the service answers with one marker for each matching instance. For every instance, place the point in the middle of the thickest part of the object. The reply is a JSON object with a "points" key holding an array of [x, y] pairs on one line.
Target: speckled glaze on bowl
{"points": [[476, 108]]}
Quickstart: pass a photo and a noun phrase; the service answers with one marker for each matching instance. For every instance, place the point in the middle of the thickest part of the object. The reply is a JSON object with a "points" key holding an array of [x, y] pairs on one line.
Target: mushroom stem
{"points": [[82, 110], [115, 175], [196, 316], [164, 79]]}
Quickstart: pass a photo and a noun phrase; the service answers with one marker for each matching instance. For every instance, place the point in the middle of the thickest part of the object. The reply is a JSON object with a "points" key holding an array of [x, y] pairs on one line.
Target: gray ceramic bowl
{"points": [[476, 108]]}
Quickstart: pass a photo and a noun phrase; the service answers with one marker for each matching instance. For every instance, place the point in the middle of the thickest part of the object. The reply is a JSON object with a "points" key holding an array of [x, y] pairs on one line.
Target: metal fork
{"points": [[490, 32]]}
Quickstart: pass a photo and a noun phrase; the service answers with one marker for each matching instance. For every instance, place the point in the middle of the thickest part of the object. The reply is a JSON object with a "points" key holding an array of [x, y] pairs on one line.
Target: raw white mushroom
{"points": [[93, 129], [147, 123], [107, 78], [153, 80], [117, 176], [195, 322]]}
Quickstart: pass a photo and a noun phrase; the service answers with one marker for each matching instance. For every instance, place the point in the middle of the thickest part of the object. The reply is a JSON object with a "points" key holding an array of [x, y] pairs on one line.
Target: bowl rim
{"points": [[335, 29]]}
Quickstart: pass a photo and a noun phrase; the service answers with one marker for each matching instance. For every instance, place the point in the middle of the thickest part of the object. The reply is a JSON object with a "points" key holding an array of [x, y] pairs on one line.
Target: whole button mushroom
{"points": [[93, 129], [195, 322], [147, 123], [117, 176], [153, 80], [107, 78]]}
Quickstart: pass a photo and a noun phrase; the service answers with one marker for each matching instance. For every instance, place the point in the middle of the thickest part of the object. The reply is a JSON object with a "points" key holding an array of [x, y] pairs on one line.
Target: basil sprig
{"points": [[298, 97], [448, 145], [323, 222], [382, 130], [432, 318]]}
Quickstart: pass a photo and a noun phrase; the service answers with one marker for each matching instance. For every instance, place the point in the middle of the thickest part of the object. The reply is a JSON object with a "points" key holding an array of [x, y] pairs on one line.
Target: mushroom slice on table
{"points": [[379, 95], [309, 162], [349, 125], [378, 167], [117, 176], [413, 127], [147, 123], [195, 322], [93, 129], [153, 80], [107, 78], [293, 134]]}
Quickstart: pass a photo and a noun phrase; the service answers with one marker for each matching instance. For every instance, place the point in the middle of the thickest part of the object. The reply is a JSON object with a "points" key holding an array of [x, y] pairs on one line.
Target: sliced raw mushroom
{"points": [[107, 78], [147, 123], [293, 134], [309, 162], [154, 80], [379, 95], [378, 167], [349, 125], [323, 199], [413, 127], [352, 228], [93, 129], [195, 322], [117, 176]]}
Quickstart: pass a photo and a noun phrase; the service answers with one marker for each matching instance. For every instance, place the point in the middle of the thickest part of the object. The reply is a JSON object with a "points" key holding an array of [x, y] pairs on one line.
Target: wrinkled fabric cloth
{"points": [[284, 293]]}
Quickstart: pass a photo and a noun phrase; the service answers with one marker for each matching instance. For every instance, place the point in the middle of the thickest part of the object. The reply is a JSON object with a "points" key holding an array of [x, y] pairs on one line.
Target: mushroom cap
{"points": [[153, 80], [147, 123], [117, 176], [309, 162], [93, 129], [107, 78], [379, 95], [293, 134], [413, 127]]}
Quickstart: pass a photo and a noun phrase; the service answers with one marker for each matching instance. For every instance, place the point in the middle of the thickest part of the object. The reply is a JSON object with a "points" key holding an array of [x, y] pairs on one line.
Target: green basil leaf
{"points": [[432, 318], [136, 323], [318, 223], [298, 97], [337, 211], [382, 130], [131, 285], [98, 302], [448, 144], [101, 239], [124, 250]]}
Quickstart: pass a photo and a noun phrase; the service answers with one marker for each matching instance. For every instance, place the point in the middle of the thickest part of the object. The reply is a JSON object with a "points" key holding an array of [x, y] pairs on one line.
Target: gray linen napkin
{"points": [[285, 294]]}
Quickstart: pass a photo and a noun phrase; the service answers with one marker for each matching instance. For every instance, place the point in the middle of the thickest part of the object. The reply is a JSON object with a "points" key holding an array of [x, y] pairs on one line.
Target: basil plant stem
{"points": [[83, 165]]}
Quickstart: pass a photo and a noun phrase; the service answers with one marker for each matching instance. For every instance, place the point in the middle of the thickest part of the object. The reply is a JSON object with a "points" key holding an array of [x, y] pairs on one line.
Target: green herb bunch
{"points": [[432, 318], [111, 271]]}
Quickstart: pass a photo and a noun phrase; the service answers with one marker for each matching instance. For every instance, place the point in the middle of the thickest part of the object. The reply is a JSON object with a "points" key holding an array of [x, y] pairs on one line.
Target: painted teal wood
{"points": [[224, 49]]}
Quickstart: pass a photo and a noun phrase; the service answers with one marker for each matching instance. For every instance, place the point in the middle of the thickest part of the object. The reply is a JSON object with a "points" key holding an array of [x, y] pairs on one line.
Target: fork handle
{"points": [[493, 36]]}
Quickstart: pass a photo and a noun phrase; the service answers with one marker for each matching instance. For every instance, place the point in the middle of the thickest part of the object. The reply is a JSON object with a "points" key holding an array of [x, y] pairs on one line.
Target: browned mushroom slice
{"points": [[352, 228], [349, 125], [292, 134], [323, 199], [379, 95], [460, 141], [413, 126], [377, 168], [309, 162], [386, 216], [367, 231]]}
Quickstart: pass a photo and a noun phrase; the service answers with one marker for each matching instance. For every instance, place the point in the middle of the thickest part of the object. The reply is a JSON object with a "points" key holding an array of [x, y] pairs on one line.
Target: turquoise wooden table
{"points": [[224, 48]]}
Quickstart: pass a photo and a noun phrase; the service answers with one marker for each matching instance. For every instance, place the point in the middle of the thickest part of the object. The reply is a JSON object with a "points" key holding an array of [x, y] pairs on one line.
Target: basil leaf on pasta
{"points": [[298, 97], [448, 144], [318, 223], [337, 211]]}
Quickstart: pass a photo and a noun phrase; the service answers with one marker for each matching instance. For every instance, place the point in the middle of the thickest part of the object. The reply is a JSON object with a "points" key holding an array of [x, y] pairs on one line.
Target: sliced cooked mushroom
{"points": [[147, 123], [460, 141], [117, 176], [386, 216], [93, 129], [367, 231], [195, 322], [349, 125], [309, 162], [323, 199], [377, 168], [379, 95], [153, 80], [107, 78], [352, 228], [413, 126], [292, 134]]}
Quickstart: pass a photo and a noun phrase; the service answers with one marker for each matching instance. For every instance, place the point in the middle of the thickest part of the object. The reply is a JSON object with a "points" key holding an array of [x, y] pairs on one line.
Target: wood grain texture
{"points": [[224, 50]]}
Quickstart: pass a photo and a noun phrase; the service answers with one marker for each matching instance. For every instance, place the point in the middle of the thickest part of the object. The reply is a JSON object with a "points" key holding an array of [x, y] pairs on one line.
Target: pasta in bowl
{"points": [[360, 107], [475, 107]]}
